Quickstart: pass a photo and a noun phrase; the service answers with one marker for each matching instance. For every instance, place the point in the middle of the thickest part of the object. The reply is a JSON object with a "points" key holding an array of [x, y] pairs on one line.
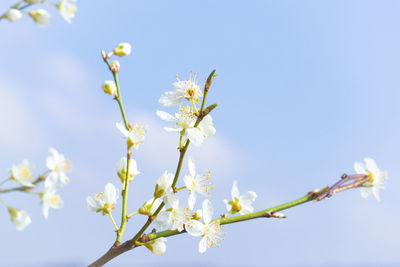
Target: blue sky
{"points": [[304, 88]]}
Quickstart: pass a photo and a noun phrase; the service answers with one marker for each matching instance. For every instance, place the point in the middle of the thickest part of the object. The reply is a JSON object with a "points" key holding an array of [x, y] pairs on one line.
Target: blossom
{"points": [[40, 16], [121, 169], [184, 123], [58, 165], [105, 201], [123, 49], [133, 137], [241, 204], [67, 9], [19, 218], [377, 178], [13, 14], [209, 231], [109, 87], [188, 89], [157, 246], [175, 214], [50, 199], [22, 173], [150, 206], [206, 126], [196, 183], [163, 185]]}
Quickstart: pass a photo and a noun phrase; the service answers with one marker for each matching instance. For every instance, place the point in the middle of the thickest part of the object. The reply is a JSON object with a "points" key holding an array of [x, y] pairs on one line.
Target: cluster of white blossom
{"points": [[22, 173], [66, 8], [167, 208]]}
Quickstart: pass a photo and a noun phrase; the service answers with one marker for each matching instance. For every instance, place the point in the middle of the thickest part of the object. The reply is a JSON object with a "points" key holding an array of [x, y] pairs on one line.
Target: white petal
{"points": [[51, 180], [192, 200], [195, 136], [370, 164], [169, 99], [173, 128], [375, 191], [203, 245], [122, 129], [45, 211], [159, 246], [92, 204], [208, 211], [195, 228], [235, 190], [359, 168], [63, 177], [188, 181], [163, 220], [246, 209], [110, 194], [166, 116], [172, 200], [192, 167], [248, 198]]}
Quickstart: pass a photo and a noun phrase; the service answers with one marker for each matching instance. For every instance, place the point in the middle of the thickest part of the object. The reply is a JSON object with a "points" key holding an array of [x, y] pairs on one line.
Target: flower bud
{"points": [[40, 16], [121, 169], [19, 218], [109, 87], [157, 246], [115, 66], [13, 15], [145, 209], [163, 184], [123, 49]]}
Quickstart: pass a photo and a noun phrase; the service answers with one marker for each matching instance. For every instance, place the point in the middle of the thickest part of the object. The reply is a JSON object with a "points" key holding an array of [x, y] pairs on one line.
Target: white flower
{"points": [[123, 49], [40, 16], [109, 87], [103, 202], [175, 214], [241, 204], [184, 122], [157, 246], [188, 89], [206, 126], [196, 183], [50, 199], [163, 185], [121, 169], [13, 14], [377, 178], [67, 9], [19, 218], [22, 173], [133, 137], [58, 165], [209, 231], [150, 206]]}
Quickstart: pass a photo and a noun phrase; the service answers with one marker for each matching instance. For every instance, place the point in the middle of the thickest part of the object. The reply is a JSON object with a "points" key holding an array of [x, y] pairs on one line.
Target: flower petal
{"points": [[208, 211], [195, 228], [165, 116], [235, 190], [195, 136], [192, 167], [203, 245]]}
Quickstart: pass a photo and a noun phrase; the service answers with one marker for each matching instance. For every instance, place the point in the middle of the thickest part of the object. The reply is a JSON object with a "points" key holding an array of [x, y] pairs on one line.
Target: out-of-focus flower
{"points": [[40, 16], [157, 246], [22, 173], [241, 204], [183, 123], [196, 183], [50, 199], [19, 218], [13, 14], [209, 231], [377, 178], [109, 87], [123, 49], [188, 89], [105, 201], [121, 169], [133, 137], [163, 185], [58, 165], [67, 9]]}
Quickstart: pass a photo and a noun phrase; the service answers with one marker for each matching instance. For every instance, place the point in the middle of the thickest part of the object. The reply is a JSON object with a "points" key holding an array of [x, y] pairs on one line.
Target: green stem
{"points": [[5, 181], [112, 219], [133, 213], [240, 218]]}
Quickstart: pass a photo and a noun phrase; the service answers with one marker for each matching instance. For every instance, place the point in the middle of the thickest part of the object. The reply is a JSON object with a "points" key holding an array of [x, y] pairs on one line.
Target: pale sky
{"points": [[305, 89]]}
